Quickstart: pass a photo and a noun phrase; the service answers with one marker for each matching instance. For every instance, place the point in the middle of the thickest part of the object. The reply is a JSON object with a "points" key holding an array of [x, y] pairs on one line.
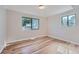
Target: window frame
{"points": [[62, 22]]}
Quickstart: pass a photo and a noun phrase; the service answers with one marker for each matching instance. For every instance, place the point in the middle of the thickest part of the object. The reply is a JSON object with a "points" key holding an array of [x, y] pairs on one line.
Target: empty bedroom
{"points": [[39, 29]]}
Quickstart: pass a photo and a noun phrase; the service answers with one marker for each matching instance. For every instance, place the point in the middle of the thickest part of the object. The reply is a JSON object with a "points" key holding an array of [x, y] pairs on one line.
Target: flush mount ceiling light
{"points": [[41, 7]]}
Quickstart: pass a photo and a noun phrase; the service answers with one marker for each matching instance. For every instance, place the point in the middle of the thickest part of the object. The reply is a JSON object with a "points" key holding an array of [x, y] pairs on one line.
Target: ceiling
{"points": [[34, 10]]}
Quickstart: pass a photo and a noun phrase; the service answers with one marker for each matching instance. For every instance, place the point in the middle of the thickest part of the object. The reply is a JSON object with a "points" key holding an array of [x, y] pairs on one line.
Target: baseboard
{"points": [[41, 36], [17, 40], [2, 48], [63, 40], [31, 38]]}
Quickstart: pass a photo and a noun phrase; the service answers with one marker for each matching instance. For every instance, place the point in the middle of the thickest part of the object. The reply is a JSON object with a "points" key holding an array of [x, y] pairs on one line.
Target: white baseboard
{"points": [[2, 48], [17, 40], [31, 38], [63, 39], [59, 38]]}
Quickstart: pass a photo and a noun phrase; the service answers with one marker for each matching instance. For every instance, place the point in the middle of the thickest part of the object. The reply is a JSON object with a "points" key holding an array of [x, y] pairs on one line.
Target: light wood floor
{"points": [[44, 45]]}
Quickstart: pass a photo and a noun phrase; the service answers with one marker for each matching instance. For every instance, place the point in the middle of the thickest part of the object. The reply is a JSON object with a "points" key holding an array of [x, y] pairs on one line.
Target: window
{"points": [[64, 20], [35, 23], [68, 20], [30, 23], [71, 20], [26, 22]]}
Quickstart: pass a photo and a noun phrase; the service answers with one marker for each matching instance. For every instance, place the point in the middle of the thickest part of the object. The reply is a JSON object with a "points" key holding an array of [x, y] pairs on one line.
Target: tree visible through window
{"points": [[31, 23], [26, 22]]}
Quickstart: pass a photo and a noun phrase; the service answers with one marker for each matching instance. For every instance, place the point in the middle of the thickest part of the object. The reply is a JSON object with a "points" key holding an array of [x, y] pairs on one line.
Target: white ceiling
{"points": [[34, 10]]}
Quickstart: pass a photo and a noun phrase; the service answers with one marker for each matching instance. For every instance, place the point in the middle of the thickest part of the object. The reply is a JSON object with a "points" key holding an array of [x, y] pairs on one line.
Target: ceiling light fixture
{"points": [[41, 7]]}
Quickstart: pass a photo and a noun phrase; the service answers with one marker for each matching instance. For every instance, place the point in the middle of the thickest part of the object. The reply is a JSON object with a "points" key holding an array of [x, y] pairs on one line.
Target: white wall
{"points": [[56, 30], [15, 31], [3, 29]]}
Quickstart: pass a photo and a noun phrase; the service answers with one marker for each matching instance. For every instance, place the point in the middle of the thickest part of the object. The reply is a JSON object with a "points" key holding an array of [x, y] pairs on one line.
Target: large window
{"points": [[30, 23], [68, 20]]}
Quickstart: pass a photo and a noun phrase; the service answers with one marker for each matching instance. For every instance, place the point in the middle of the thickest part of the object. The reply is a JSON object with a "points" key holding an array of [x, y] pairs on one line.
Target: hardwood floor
{"points": [[44, 45]]}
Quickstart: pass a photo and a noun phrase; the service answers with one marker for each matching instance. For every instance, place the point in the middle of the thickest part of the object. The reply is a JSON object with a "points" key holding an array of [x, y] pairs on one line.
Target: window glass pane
{"points": [[71, 20], [64, 20], [35, 23], [26, 22]]}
